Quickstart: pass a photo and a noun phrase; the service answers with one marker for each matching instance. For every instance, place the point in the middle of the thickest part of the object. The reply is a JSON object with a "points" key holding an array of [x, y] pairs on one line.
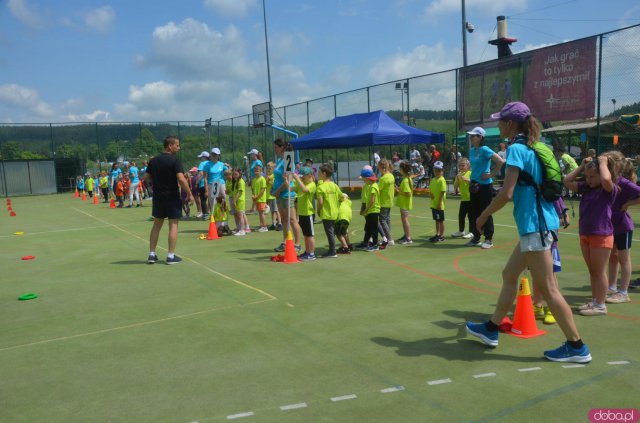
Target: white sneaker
{"points": [[457, 234], [240, 233], [468, 235], [199, 215], [486, 244], [391, 242], [263, 229]]}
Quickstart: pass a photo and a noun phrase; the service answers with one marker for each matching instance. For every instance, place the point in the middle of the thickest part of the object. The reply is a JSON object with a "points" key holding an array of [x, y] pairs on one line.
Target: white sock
{"points": [[170, 255], [152, 253]]}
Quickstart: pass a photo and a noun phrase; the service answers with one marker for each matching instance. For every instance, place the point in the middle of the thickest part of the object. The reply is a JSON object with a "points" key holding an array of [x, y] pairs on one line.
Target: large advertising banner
{"points": [[557, 83], [560, 81]]}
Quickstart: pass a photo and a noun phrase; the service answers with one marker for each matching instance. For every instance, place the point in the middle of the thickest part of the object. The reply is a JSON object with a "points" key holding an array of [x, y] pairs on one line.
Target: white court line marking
{"points": [[222, 275], [64, 230], [293, 406], [616, 363], [439, 382], [530, 369], [344, 397], [392, 389], [573, 366], [484, 375], [240, 415], [134, 325]]}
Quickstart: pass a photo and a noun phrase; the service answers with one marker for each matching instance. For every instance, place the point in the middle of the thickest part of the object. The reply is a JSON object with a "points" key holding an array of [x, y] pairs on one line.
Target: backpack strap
{"points": [[526, 178]]}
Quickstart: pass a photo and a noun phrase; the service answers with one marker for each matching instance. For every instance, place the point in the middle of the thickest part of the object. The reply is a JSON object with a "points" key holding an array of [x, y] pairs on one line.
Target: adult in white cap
{"points": [[213, 173], [201, 194], [255, 158], [481, 186], [537, 222]]}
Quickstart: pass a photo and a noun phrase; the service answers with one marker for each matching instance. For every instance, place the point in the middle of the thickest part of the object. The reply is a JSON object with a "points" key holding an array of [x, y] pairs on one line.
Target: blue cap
{"points": [[305, 170]]}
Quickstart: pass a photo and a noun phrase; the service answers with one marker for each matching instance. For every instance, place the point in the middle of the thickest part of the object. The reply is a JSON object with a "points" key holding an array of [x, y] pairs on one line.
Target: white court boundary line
{"points": [[222, 275], [86, 228], [133, 325]]}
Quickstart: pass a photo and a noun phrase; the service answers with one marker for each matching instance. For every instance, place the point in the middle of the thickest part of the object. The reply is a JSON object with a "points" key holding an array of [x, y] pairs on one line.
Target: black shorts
{"points": [[623, 241], [166, 205], [438, 215], [306, 224], [202, 194], [341, 227]]}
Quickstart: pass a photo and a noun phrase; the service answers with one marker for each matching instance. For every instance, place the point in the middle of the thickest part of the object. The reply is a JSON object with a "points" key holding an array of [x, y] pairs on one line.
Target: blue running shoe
{"points": [[479, 330], [567, 354]]}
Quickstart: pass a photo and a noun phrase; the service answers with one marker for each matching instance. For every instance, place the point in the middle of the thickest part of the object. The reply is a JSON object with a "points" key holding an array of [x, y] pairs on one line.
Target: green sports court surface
{"points": [[229, 335]]}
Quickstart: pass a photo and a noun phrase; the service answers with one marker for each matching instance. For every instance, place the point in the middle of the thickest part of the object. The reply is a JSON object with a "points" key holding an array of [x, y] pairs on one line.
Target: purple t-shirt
{"points": [[596, 210], [621, 221]]}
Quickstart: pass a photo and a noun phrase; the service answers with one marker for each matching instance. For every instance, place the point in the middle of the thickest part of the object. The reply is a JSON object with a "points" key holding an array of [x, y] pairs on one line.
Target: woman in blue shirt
{"points": [[285, 195], [115, 171], [534, 248], [134, 174], [481, 185]]}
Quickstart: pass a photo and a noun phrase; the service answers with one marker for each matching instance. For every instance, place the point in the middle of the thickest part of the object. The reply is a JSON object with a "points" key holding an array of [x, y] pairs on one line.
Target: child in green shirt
{"points": [[404, 201], [238, 188], [276, 225], [370, 209], [90, 183], [461, 183], [345, 214], [305, 193], [221, 215], [438, 189], [328, 196], [259, 197], [387, 191]]}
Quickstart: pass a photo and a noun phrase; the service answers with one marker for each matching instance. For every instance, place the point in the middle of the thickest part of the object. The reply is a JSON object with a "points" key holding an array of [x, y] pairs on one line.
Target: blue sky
{"points": [[143, 60]]}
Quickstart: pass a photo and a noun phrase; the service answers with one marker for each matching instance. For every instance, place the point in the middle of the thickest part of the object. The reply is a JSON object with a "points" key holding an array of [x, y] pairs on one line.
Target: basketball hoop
{"points": [[262, 115]]}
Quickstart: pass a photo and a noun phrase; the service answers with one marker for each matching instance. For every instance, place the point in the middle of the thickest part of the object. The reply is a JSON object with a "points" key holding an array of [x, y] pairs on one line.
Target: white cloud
{"points": [[191, 50], [95, 116], [100, 19], [230, 7], [25, 99], [421, 60], [25, 14], [486, 7], [163, 100]]}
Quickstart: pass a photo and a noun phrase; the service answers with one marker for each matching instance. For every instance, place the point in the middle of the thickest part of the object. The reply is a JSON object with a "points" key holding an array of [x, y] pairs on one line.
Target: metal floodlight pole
{"points": [[266, 44], [464, 35]]}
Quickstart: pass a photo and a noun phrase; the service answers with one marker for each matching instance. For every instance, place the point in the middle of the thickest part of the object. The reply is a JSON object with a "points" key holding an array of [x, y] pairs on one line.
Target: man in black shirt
{"points": [[165, 173]]}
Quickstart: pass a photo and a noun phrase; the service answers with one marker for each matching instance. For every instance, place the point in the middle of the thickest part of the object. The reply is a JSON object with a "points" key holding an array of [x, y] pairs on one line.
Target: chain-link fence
{"points": [[428, 101]]}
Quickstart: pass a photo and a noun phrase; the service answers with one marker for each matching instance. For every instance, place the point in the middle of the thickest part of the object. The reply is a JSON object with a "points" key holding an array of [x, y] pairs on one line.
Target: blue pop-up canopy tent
{"points": [[365, 130]]}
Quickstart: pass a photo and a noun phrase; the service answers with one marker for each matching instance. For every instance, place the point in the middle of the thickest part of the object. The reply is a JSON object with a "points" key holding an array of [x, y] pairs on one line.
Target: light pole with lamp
{"points": [[613, 100], [403, 87], [466, 27], [207, 127]]}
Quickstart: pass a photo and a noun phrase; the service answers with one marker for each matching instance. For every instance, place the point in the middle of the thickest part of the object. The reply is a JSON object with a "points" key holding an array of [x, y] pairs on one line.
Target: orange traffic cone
{"points": [[213, 232], [9, 208], [112, 203], [8, 201], [12, 214], [290, 255], [524, 321], [96, 200], [84, 196], [77, 194]]}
